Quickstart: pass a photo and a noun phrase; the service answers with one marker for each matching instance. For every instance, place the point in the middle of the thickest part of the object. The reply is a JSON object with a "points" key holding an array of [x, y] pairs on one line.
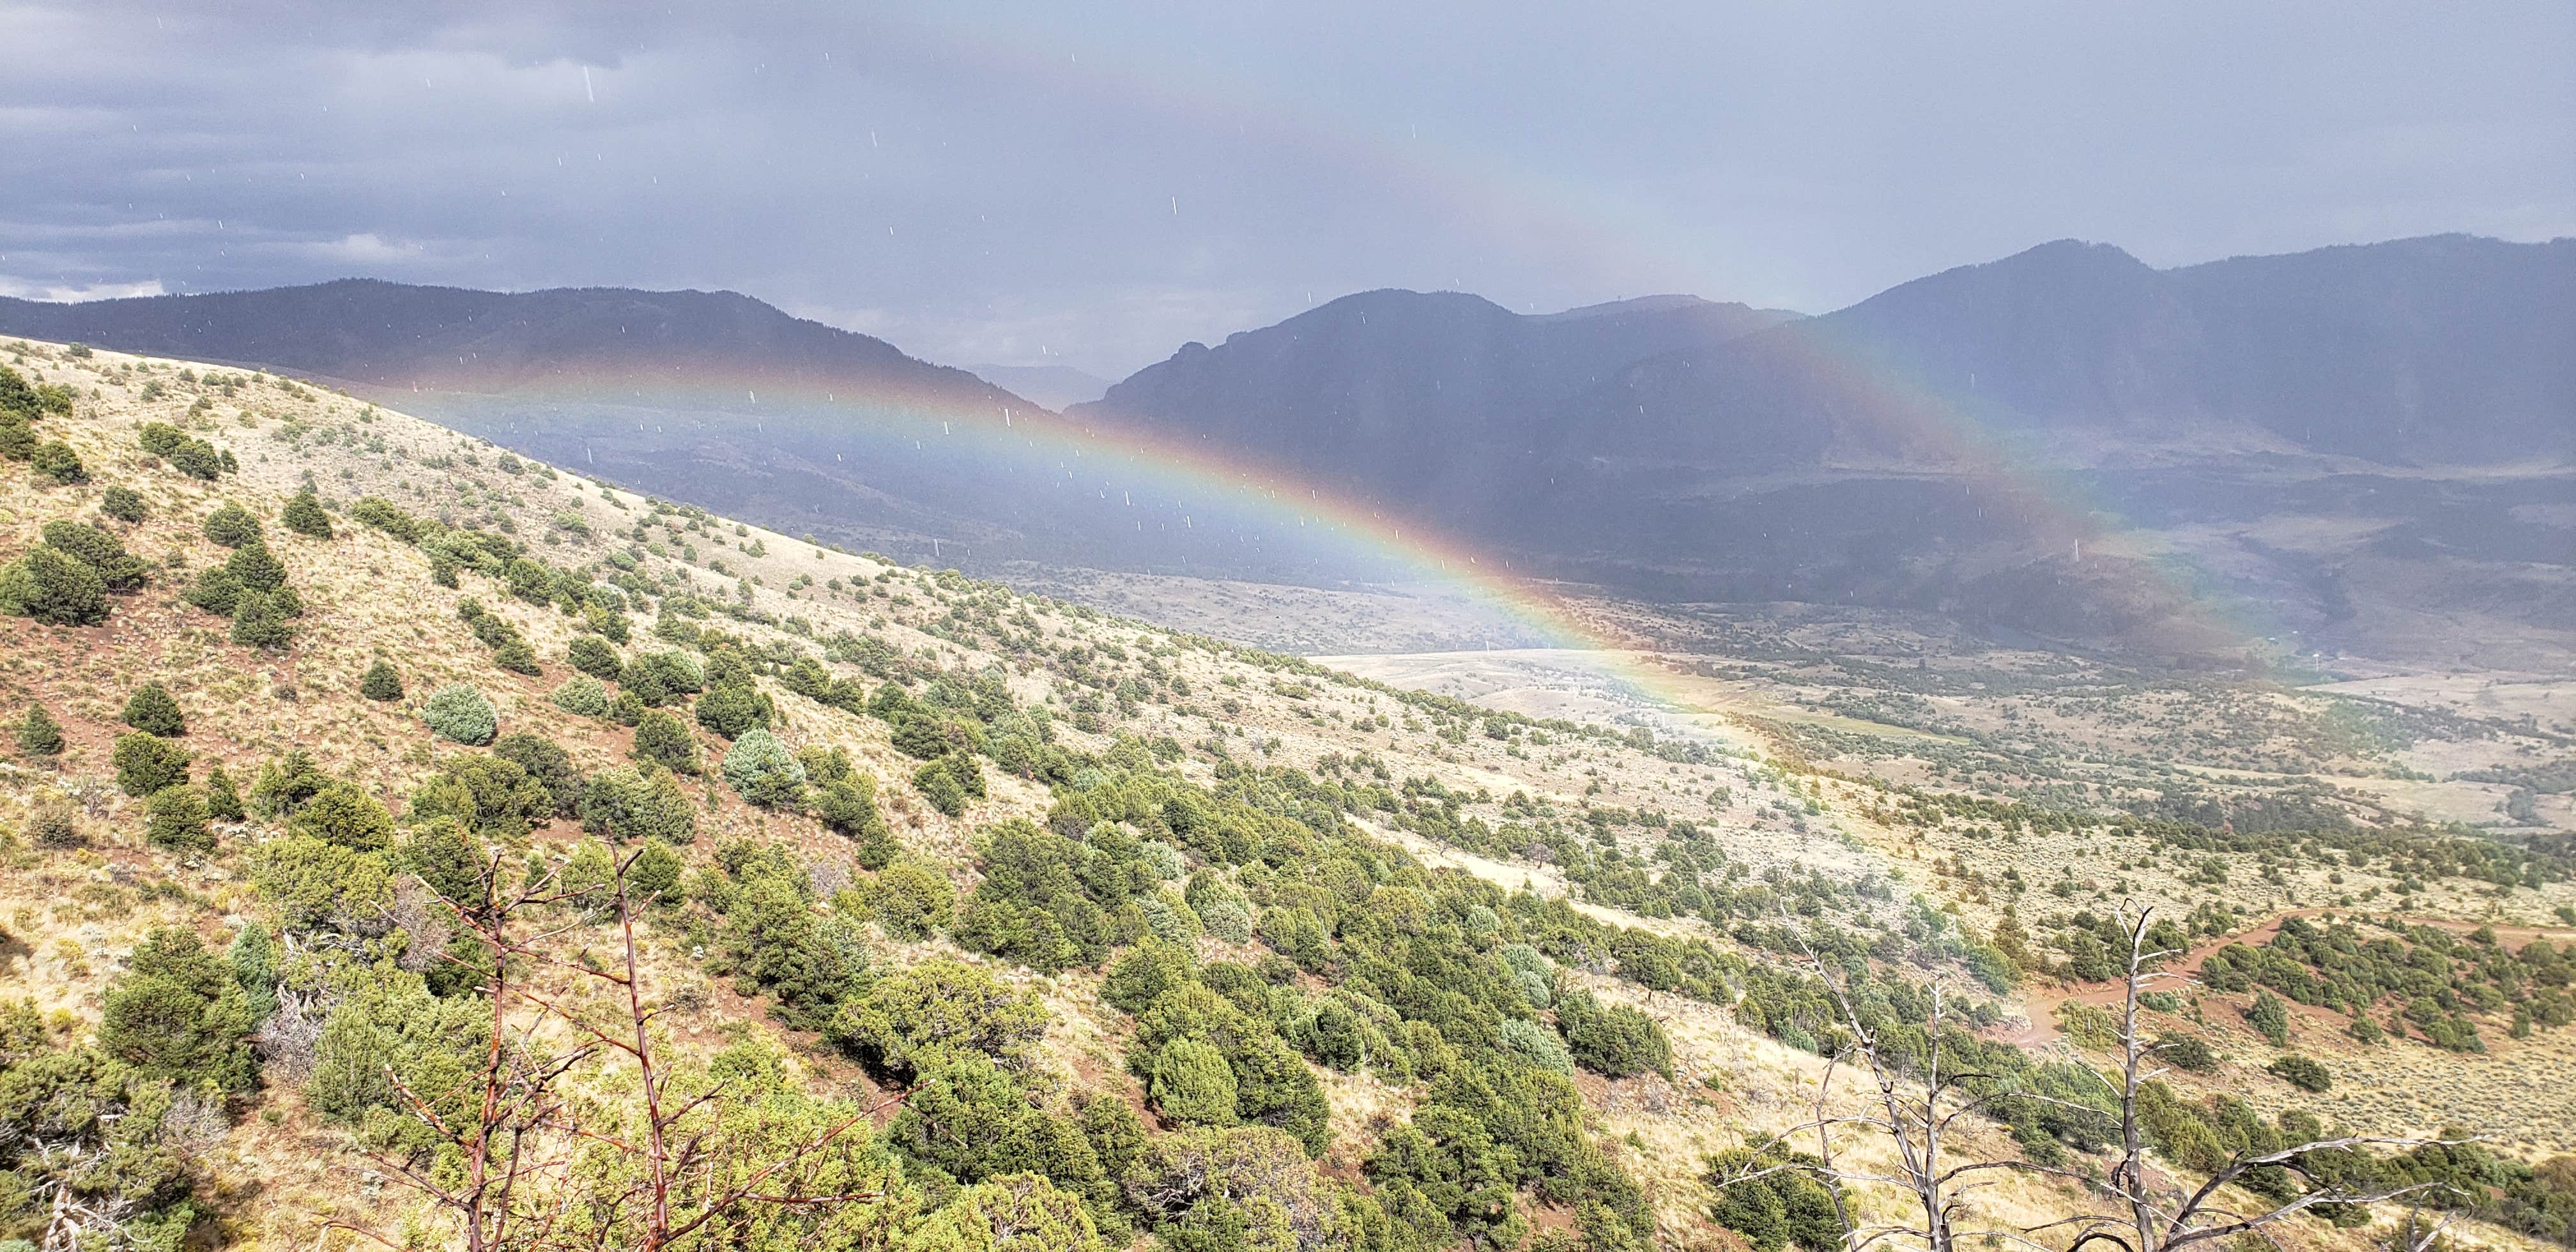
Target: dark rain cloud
{"points": [[985, 181]]}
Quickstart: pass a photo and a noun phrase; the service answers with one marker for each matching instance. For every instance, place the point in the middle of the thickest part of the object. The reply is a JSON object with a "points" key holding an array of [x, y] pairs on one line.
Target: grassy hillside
{"points": [[376, 768]]}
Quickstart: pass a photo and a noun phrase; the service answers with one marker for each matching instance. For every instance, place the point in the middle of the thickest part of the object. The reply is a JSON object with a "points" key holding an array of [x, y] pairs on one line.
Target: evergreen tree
{"points": [[663, 740], [55, 462], [223, 800], [39, 734], [54, 587], [381, 682], [254, 567], [257, 623], [231, 525], [152, 710], [305, 517], [179, 1013], [118, 570], [147, 763], [123, 504], [175, 817]]}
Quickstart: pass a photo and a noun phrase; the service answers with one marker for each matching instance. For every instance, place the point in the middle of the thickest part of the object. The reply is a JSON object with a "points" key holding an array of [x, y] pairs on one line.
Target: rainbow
{"points": [[1180, 483]]}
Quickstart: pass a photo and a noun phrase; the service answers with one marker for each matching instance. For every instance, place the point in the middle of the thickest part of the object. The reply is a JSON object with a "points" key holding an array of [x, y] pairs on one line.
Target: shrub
{"points": [[385, 516], [1538, 1045], [286, 782], [1192, 1085], [1779, 1205], [117, 569], [254, 567], [123, 504], [159, 438], [2305, 1073], [1612, 1040], [582, 696], [444, 855], [762, 771], [215, 591], [1212, 1188], [913, 899], [665, 741], [847, 806], [54, 822], [2269, 1018], [1227, 918], [223, 800], [648, 803], [918, 1019], [305, 517], [343, 815], [151, 710], [178, 1013], [493, 796], [197, 458], [2186, 1052], [39, 734], [175, 817], [669, 673], [547, 764], [381, 682], [313, 884], [654, 874], [147, 763], [942, 782], [733, 709], [594, 656], [55, 462], [53, 587], [459, 713], [231, 525], [529, 580], [1141, 976], [259, 620], [17, 438], [517, 657]]}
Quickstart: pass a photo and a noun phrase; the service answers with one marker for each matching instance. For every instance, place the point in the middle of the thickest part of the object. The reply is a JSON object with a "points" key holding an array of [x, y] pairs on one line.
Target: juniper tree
{"points": [[152, 710], [381, 683], [39, 734], [304, 516]]}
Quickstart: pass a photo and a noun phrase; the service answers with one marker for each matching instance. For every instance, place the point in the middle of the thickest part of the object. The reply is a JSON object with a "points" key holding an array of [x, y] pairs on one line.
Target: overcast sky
{"points": [[1096, 183]]}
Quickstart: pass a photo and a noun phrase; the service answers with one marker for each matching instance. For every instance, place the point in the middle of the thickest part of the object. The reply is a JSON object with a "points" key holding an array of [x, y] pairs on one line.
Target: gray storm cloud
{"points": [[1095, 184]]}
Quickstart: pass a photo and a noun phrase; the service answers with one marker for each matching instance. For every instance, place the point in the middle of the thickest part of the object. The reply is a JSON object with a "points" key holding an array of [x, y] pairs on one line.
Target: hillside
{"points": [[990, 921], [1425, 403]]}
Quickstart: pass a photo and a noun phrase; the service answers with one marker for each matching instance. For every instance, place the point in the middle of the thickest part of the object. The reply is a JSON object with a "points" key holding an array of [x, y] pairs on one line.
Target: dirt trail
{"points": [[2041, 1005]]}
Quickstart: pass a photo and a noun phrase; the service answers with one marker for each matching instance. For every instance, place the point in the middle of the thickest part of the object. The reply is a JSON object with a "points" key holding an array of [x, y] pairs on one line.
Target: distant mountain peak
{"points": [[1614, 308]]}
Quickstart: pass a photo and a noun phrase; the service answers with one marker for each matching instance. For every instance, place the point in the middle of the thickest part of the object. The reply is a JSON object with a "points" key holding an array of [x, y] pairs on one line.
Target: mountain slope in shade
{"points": [[450, 339], [1420, 399], [2447, 350]]}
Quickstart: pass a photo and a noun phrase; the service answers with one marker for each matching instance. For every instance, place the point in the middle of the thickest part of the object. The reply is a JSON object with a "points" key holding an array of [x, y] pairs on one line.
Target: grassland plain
{"points": [[1057, 799]]}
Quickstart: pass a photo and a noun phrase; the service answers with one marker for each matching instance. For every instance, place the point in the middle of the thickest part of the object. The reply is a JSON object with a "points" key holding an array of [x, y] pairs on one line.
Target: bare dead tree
{"points": [[1916, 1104], [2153, 1215], [525, 1137], [499, 1141]]}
